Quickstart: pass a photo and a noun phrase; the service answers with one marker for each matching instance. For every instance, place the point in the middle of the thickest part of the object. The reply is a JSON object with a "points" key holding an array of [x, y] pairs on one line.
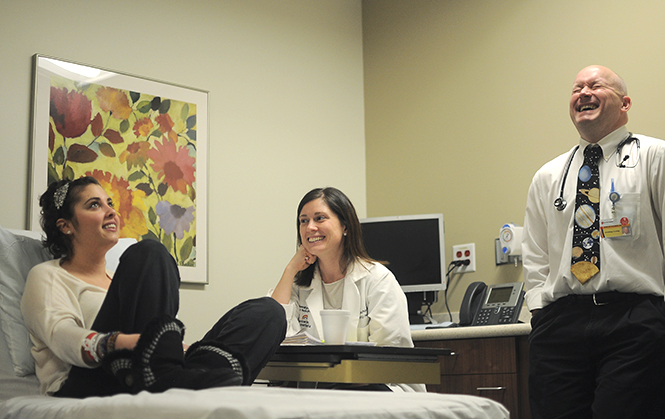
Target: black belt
{"points": [[604, 298]]}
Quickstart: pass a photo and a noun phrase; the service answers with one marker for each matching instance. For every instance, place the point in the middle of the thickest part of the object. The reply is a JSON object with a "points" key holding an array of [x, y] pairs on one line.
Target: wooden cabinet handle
{"points": [[490, 388]]}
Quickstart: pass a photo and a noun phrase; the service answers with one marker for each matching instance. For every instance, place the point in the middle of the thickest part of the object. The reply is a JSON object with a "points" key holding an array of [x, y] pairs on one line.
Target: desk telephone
{"points": [[494, 304]]}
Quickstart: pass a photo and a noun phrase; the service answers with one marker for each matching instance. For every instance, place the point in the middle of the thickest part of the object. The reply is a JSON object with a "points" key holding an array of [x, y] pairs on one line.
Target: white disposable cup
{"points": [[335, 325]]}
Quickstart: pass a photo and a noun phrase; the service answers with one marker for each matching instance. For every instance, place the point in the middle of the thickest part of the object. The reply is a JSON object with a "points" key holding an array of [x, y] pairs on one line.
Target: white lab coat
{"points": [[375, 300], [373, 297]]}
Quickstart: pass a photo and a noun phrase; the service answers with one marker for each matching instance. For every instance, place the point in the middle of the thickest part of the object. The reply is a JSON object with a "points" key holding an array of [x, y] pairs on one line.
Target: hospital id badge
{"points": [[616, 227]]}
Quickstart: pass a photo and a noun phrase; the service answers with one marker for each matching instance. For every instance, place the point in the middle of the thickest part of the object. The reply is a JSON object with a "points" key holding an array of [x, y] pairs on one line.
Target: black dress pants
{"points": [[145, 286], [598, 361]]}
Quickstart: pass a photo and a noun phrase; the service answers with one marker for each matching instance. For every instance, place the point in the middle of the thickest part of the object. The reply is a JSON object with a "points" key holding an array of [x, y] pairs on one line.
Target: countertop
{"points": [[471, 332]]}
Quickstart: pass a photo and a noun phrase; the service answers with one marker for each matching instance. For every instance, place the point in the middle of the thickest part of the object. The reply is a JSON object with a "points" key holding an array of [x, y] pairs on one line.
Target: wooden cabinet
{"points": [[494, 367]]}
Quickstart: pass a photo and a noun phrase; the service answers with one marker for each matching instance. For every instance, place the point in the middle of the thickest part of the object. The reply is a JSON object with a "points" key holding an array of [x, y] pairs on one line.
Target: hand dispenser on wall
{"points": [[509, 244]]}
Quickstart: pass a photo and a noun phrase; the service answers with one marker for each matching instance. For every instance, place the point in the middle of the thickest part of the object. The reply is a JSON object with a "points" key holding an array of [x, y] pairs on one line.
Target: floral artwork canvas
{"points": [[140, 140]]}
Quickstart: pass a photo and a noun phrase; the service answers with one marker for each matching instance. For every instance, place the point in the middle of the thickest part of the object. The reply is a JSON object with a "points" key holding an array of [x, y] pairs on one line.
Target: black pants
{"points": [[598, 361], [145, 286]]}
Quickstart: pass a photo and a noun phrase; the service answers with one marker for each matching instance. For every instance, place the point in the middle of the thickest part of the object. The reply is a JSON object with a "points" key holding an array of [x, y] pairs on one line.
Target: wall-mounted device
{"points": [[509, 246], [495, 304]]}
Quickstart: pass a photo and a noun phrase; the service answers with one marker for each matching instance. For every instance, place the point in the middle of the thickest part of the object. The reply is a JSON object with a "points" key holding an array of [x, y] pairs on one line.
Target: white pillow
{"points": [[18, 254]]}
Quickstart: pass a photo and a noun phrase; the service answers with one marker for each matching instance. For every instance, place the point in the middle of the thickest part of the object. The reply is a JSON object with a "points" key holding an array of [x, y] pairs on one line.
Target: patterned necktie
{"points": [[586, 230]]}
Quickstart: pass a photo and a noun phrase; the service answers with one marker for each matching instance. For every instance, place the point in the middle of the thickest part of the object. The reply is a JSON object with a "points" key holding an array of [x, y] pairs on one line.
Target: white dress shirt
{"points": [[631, 263]]}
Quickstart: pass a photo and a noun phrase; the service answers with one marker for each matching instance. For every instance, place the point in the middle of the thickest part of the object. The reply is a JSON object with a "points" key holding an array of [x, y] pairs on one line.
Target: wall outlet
{"points": [[465, 252]]}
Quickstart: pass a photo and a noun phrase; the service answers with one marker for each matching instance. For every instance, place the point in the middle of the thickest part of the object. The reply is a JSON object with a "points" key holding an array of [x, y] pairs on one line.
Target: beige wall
{"points": [[465, 100], [285, 108], [447, 84]]}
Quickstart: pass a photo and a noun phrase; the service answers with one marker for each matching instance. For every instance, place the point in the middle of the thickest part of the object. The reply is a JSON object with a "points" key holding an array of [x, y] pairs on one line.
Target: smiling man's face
{"points": [[599, 104]]}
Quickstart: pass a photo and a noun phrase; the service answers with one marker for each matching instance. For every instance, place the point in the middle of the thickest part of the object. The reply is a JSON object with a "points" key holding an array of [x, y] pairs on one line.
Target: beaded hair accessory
{"points": [[60, 195]]}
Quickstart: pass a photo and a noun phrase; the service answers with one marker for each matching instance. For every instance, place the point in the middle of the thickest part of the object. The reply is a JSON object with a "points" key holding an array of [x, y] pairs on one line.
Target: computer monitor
{"points": [[413, 246]]}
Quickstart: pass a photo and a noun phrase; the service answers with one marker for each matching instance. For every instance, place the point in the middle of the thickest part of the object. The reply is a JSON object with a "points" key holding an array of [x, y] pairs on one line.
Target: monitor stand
{"points": [[416, 300]]}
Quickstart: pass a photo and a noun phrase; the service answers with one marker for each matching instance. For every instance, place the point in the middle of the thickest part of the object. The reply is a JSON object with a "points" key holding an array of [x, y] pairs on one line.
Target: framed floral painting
{"points": [[145, 142]]}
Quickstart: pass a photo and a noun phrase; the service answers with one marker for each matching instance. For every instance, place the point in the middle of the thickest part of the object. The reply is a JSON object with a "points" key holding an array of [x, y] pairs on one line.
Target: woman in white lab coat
{"points": [[332, 270]]}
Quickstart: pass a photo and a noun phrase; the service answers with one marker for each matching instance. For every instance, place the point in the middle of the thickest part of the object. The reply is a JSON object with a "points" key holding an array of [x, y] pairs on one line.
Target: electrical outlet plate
{"points": [[462, 252]]}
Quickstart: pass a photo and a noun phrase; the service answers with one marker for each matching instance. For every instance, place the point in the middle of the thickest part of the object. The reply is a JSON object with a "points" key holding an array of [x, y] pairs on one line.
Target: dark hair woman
{"points": [[332, 270], [99, 333], [352, 241]]}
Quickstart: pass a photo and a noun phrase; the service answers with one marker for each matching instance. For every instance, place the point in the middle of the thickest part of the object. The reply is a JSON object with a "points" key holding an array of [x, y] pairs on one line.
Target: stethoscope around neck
{"points": [[560, 203]]}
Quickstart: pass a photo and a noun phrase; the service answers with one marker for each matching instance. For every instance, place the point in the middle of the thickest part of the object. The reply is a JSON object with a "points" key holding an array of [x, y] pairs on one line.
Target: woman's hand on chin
{"points": [[302, 259]]}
